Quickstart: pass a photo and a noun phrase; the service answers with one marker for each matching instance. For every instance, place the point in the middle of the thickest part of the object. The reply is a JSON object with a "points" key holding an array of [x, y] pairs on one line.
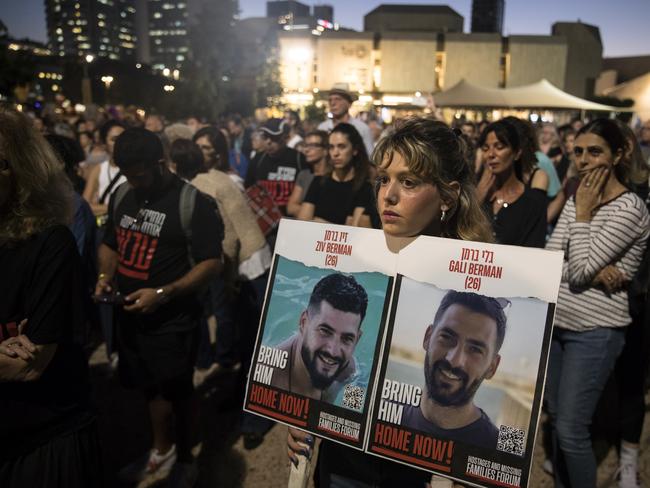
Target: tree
{"points": [[207, 74], [17, 70]]}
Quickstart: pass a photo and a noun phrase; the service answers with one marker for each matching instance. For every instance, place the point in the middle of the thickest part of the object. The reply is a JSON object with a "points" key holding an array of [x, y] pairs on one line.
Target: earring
{"points": [[444, 214]]}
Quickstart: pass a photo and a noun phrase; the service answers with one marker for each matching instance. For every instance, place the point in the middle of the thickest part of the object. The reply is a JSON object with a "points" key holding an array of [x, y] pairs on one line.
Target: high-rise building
{"points": [[323, 12], [104, 28], [279, 8], [169, 42], [487, 16]]}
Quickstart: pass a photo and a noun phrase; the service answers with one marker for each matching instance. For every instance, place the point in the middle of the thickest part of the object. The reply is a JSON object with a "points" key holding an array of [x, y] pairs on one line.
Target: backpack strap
{"points": [[187, 202], [118, 196], [110, 186]]}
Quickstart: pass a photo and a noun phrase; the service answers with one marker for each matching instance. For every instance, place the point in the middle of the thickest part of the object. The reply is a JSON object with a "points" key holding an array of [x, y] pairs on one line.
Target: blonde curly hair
{"points": [[436, 153], [39, 193]]}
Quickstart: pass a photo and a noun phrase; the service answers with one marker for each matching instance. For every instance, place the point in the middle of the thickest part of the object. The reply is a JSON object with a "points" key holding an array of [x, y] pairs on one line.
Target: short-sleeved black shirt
{"points": [[482, 432], [41, 281], [276, 173], [334, 201], [153, 251], [523, 222]]}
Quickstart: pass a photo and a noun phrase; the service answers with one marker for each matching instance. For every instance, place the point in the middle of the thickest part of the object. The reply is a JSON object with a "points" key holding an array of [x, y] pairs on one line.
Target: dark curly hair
{"points": [[492, 307], [342, 292]]}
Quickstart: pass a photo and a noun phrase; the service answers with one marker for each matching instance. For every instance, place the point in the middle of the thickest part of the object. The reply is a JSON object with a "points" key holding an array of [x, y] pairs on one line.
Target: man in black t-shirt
{"points": [[276, 168], [462, 349], [162, 244]]}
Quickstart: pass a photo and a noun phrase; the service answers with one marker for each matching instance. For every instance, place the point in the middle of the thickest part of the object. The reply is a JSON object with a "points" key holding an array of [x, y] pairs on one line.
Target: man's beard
{"points": [[438, 391], [319, 380]]}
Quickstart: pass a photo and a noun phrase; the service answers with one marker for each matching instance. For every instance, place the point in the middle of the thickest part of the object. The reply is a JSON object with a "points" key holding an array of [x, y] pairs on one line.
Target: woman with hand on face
{"points": [[343, 195], [424, 186], [518, 212], [603, 232]]}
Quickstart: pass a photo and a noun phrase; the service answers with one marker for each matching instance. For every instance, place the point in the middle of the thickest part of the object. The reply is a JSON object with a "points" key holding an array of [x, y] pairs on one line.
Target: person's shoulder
{"points": [[56, 240], [287, 344], [543, 160], [325, 125], [358, 123]]}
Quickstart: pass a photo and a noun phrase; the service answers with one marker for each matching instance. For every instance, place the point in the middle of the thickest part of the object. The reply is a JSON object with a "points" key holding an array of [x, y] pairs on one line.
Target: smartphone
{"points": [[110, 299]]}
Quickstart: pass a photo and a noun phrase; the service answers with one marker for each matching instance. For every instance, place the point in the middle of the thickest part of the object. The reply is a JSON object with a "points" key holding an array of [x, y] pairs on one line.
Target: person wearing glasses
{"points": [[316, 156], [462, 349]]}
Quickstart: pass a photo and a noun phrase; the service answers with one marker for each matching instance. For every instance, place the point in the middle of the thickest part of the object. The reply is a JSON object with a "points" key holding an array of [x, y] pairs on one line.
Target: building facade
{"points": [[104, 28], [390, 68]]}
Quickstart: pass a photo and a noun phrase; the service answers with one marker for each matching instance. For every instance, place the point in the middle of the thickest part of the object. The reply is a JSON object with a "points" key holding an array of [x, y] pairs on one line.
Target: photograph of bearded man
{"points": [[321, 354], [461, 351]]}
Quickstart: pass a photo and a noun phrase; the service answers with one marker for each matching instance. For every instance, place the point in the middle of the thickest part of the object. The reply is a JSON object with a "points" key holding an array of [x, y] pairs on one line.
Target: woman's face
{"points": [[315, 150], [341, 151], [408, 206], [498, 156], [209, 154], [592, 152]]}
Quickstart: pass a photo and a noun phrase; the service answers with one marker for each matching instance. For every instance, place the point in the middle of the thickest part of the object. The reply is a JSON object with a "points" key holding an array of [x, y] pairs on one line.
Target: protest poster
{"points": [[460, 384], [321, 330]]}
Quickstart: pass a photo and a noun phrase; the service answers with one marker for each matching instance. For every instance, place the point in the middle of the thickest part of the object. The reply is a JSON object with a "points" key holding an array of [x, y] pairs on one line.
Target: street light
{"points": [[107, 80], [86, 89]]}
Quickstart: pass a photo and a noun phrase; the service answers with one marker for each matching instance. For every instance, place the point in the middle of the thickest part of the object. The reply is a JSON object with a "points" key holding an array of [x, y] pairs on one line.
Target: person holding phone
{"points": [[159, 250]]}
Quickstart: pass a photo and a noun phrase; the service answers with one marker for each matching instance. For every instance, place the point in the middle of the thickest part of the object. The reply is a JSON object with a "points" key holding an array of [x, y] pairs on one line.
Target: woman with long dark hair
{"points": [[424, 186], [344, 194], [603, 232], [518, 212]]}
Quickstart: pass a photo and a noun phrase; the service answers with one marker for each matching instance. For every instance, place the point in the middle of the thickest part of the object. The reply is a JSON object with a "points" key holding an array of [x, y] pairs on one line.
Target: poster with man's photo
{"points": [[459, 388], [321, 330]]}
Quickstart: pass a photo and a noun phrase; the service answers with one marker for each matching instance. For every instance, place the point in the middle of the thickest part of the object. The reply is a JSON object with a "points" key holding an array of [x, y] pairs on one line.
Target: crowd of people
{"points": [[159, 236]]}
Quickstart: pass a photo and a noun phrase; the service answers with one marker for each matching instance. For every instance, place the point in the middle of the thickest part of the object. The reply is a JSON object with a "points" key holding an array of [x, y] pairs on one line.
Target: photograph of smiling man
{"points": [[321, 353], [461, 350], [317, 353]]}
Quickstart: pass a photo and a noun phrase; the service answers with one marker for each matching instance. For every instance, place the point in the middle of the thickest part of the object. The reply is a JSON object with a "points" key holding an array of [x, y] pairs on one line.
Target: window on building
{"points": [[441, 65]]}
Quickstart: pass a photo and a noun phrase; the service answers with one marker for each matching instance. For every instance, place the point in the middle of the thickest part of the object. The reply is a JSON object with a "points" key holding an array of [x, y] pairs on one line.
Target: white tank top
{"points": [[106, 175]]}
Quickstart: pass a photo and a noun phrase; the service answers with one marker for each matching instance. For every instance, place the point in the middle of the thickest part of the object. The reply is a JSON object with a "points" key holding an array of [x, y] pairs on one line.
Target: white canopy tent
{"points": [[638, 89], [540, 95]]}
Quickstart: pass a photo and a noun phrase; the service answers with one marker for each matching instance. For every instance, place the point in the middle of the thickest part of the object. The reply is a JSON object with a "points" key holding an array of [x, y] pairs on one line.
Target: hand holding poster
{"points": [[462, 374], [455, 375], [322, 325]]}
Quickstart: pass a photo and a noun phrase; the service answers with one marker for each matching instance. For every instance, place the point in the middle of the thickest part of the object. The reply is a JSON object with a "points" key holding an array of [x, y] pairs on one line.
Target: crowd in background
{"points": [[540, 186]]}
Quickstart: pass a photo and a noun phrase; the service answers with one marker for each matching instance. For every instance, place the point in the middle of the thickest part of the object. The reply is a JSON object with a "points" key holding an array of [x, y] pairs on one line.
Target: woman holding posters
{"points": [[603, 232], [518, 211], [344, 194], [424, 186]]}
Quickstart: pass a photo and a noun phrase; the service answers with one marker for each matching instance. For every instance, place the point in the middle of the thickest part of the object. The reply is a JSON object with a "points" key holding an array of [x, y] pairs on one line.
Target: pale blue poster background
{"points": [[291, 289]]}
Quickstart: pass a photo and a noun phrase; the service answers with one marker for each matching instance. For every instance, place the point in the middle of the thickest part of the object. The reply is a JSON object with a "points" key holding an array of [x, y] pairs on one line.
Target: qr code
{"points": [[511, 440], [353, 397]]}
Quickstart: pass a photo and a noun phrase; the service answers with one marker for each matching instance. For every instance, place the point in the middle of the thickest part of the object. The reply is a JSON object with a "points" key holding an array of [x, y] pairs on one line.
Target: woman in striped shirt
{"points": [[603, 232]]}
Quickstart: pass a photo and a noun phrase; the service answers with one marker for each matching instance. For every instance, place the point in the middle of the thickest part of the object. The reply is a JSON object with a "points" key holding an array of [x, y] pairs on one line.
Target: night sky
{"points": [[624, 24]]}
